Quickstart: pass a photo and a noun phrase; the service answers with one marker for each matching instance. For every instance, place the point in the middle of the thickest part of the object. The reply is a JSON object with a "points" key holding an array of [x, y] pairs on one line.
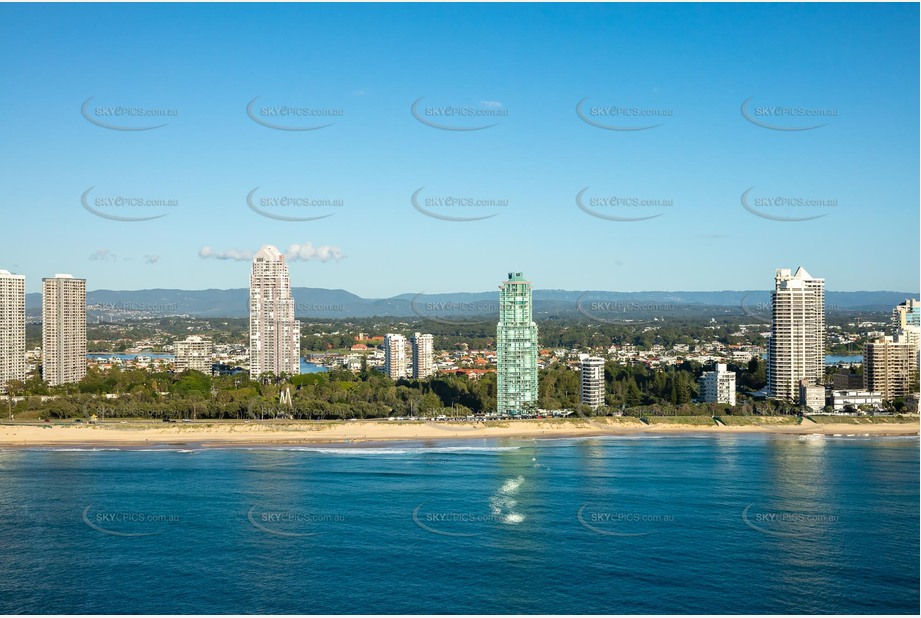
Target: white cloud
{"points": [[296, 253], [307, 252], [238, 255]]}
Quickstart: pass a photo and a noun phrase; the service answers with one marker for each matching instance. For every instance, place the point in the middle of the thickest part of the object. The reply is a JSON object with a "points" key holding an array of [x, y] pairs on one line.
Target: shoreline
{"points": [[222, 434]]}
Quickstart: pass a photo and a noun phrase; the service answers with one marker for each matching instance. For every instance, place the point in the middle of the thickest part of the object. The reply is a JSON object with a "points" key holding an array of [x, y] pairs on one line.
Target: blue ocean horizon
{"points": [[742, 523]]}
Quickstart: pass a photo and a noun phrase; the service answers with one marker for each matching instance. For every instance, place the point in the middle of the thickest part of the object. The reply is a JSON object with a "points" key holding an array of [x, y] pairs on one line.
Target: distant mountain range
{"points": [[325, 303]]}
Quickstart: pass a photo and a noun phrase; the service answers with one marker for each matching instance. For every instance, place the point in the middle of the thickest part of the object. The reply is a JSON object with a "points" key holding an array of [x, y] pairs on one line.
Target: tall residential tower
{"points": [[796, 350], [591, 381], [12, 328], [395, 356], [422, 345], [63, 329], [516, 348], [274, 334]]}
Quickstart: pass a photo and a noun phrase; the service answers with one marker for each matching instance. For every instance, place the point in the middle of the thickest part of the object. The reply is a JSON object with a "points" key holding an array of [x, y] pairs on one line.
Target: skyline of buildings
{"points": [[274, 334], [516, 348], [63, 329], [796, 346]]}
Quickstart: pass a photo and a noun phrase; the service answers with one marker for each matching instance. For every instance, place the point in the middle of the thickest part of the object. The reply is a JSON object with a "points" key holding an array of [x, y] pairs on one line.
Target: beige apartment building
{"points": [[193, 353], [796, 350], [12, 328], [63, 329], [274, 334]]}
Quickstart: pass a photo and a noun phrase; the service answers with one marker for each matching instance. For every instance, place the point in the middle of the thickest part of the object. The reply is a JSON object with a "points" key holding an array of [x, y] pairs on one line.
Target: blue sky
{"points": [[693, 65]]}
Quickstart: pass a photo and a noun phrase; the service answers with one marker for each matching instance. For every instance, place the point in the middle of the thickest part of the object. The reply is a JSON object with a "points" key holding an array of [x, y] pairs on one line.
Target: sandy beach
{"points": [[230, 433]]}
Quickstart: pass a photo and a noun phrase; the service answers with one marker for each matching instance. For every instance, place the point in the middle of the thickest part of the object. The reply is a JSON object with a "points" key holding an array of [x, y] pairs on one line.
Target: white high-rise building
{"points": [[63, 329], [12, 328], [796, 350], [907, 313], [718, 386], [395, 356], [193, 353], [422, 345], [906, 318], [591, 381], [274, 334]]}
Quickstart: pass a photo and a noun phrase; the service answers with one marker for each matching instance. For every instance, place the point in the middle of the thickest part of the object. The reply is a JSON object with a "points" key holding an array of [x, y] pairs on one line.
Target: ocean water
{"points": [[639, 524]]}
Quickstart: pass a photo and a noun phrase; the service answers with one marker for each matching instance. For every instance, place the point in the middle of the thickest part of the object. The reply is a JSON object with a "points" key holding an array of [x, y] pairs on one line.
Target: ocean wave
{"points": [[100, 449], [357, 450], [69, 449]]}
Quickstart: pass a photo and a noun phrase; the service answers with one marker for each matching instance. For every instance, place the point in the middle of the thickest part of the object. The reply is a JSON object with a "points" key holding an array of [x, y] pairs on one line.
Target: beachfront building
{"points": [[796, 348], [853, 400], [395, 356], [811, 396], [422, 347], [890, 366], [63, 329], [718, 386], [12, 328], [516, 348], [591, 381], [274, 334], [193, 353]]}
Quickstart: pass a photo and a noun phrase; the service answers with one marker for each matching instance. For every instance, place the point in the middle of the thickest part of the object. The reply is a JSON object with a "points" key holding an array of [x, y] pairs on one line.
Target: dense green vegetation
{"points": [[633, 390]]}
